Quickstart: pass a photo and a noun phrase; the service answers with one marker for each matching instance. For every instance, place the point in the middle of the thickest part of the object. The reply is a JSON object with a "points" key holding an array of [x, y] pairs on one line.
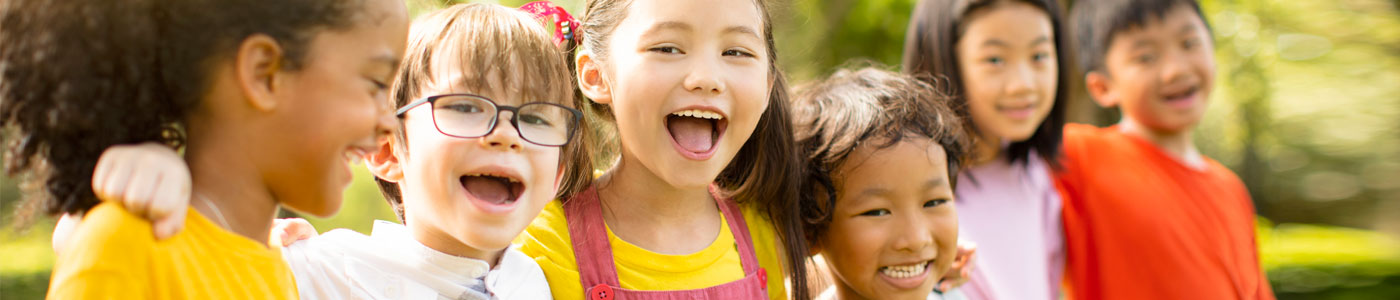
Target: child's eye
{"points": [[1146, 58], [936, 202], [876, 213], [741, 53], [1040, 56], [1188, 44], [995, 60], [463, 107], [379, 86], [533, 119], [666, 50]]}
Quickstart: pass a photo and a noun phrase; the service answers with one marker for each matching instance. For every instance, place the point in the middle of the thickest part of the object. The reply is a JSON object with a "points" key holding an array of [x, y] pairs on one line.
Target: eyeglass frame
{"points": [[514, 113]]}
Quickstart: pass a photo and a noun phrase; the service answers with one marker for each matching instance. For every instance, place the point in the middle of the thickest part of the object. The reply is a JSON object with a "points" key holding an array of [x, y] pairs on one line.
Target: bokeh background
{"points": [[1306, 110]]}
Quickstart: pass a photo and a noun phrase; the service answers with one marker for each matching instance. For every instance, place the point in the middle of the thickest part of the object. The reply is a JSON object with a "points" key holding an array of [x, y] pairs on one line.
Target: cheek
{"points": [[854, 246], [1049, 80], [544, 164]]}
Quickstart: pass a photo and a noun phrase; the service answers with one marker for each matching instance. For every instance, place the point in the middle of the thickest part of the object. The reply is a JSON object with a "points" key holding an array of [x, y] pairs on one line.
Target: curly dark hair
{"points": [[77, 77], [857, 107]]}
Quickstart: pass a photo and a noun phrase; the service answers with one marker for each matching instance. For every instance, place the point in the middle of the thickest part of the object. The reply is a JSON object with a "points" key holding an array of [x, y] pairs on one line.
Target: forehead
{"points": [[505, 79], [911, 164], [1013, 20], [707, 15]]}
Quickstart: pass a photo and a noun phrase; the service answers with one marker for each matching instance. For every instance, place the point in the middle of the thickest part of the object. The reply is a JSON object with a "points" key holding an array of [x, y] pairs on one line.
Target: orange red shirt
{"points": [[1139, 224]]}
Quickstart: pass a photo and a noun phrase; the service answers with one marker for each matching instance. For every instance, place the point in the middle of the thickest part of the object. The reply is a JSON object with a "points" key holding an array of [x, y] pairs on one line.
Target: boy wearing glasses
{"points": [[479, 153]]}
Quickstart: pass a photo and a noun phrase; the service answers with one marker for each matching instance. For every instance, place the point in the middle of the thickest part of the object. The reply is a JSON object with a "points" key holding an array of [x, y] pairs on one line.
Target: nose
{"points": [[703, 78], [1175, 67], [1021, 81], [915, 235], [504, 136]]}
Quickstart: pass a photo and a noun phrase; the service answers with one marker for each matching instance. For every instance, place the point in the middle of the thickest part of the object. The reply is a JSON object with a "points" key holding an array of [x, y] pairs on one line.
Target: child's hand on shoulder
{"points": [[291, 230], [150, 180], [962, 267]]}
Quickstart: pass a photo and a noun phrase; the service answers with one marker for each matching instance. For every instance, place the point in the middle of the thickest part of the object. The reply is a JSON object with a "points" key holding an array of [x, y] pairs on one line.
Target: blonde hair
{"points": [[492, 43]]}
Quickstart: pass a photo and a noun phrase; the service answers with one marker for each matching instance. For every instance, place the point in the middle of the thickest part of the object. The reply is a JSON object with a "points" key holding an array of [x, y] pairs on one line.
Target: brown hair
{"points": [[858, 107], [930, 49], [764, 174], [77, 77], [491, 42]]}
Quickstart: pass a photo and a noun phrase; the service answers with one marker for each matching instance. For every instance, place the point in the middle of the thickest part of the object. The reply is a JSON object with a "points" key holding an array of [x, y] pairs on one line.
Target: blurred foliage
{"points": [[1306, 110]]}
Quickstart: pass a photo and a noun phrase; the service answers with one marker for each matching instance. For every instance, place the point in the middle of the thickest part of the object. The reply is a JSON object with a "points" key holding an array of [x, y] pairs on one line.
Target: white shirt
{"points": [[390, 264]]}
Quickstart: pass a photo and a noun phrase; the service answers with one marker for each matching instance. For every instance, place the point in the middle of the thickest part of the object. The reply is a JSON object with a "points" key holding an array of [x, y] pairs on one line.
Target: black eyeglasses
{"points": [[472, 116]]}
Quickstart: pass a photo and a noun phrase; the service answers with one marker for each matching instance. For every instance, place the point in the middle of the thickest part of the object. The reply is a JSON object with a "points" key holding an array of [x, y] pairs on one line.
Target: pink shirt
{"points": [[1012, 213]]}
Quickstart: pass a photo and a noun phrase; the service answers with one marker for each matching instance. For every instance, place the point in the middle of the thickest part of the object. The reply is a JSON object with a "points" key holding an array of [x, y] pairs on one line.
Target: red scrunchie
{"points": [[565, 27]]}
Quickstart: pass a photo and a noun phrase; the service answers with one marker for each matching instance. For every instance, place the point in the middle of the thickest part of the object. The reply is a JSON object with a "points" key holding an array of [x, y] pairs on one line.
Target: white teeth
{"points": [[507, 178], [905, 271], [695, 113]]}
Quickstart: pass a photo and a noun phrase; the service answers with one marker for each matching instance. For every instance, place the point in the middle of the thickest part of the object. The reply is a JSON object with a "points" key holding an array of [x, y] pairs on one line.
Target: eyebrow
{"points": [[668, 25], [680, 26], [935, 183], [1143, 43], [1188, 28], [744, 30], [387, 59], [999, 43]]}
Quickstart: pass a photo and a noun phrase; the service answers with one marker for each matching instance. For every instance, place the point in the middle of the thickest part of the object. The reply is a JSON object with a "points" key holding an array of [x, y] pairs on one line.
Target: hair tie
{"points": [[564, 24]]}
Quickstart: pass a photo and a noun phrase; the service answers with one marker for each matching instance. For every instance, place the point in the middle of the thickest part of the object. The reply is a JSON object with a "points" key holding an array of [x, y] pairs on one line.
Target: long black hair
{"points": [[934, 31]]}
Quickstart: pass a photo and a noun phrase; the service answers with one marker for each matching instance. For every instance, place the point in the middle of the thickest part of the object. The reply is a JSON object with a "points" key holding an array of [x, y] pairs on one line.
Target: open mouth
{"points": [[493, 188], [696, 131], [905, 271], [1185, 94]]}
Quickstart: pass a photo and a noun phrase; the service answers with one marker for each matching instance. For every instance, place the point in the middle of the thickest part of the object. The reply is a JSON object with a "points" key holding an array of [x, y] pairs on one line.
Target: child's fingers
{"points": [[169, 208], [61, 231], [172, 193], [114, 182], [291, 230], [170, 225], [139, 190]]}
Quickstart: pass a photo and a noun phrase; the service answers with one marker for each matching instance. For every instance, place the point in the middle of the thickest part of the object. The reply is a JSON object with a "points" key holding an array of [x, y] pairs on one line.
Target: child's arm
{"points": [[150, 180]]}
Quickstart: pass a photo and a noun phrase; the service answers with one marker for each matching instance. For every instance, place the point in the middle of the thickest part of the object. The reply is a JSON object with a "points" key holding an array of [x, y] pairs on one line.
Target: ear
{"points": [[814, 247], [385, 163], [258, 60], [1100, 89], [591, 80]]}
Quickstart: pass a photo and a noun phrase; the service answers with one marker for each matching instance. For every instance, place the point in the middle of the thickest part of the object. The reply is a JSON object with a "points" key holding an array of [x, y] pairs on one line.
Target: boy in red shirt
{"points": [[1146, 216]]}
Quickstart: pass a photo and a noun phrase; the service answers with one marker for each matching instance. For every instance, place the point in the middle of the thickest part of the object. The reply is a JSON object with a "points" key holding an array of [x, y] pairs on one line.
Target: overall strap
{"points": [[739, 228], [589, 237]]}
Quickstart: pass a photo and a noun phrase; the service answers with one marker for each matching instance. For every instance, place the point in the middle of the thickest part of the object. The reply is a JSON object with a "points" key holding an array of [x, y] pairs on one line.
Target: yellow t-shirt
{"points": [[113, 255], [547, 241]]}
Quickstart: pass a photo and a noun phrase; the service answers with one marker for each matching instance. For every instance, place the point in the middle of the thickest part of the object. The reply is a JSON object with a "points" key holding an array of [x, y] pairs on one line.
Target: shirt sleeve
{"points": [[106, 258]]}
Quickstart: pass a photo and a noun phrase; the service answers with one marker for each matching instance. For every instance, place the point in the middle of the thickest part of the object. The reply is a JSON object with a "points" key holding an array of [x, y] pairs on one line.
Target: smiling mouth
{"points": [[1183, 95], [905, 271], [696, 130], [493, 188]]}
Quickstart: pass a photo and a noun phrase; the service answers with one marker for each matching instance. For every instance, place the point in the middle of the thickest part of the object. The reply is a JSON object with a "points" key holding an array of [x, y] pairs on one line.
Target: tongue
{"points": [[487, 189], [693, 134]]}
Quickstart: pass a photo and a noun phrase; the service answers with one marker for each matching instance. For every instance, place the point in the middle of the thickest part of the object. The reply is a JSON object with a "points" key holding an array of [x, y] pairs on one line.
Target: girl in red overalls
{"points": [[696, 204]]}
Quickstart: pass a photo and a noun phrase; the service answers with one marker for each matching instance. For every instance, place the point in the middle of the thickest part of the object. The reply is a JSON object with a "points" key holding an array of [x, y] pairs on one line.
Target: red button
{"points": [[763, 278], [600, 292]]}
